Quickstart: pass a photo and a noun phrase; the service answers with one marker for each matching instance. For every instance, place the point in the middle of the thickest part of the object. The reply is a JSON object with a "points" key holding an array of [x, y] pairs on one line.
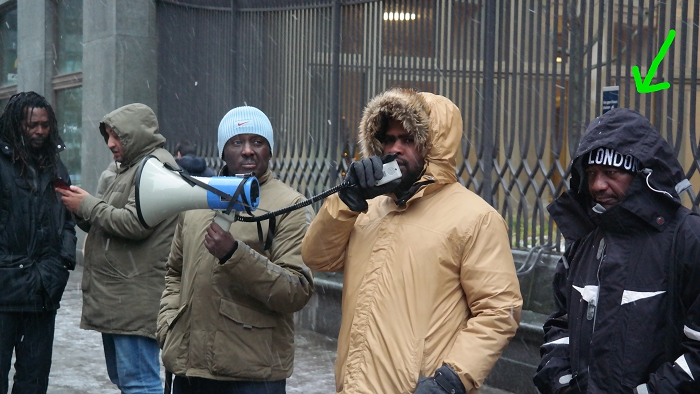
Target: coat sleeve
{"points": [[122, 222], [554, 370], [324, 246], [170, 300], [683, 374], [282, 282], [68, 239], [493, 296]]}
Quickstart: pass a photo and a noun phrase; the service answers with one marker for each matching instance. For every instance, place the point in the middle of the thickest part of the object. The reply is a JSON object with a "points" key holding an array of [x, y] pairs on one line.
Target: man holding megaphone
{"points": [[225, 322], [124, 261]]}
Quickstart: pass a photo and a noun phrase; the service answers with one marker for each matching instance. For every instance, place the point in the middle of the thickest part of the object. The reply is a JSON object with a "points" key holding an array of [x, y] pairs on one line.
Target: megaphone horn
{"points": [[161, 193]]}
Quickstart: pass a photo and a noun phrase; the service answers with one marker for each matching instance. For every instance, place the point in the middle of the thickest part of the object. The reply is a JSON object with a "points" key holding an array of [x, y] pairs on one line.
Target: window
{"points": [[69, 116], [68, 81], [69, 47], [408, 29], [8, 48]]}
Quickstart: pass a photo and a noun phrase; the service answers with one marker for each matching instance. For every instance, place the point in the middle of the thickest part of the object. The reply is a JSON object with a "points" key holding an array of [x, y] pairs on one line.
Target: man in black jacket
{"points": [[37, 240], [627, 289], [189, 162]]}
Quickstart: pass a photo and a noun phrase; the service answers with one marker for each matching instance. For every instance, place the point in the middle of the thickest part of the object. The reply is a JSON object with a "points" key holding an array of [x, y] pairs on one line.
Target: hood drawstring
{"points": [[598, 209], [648, 171]]}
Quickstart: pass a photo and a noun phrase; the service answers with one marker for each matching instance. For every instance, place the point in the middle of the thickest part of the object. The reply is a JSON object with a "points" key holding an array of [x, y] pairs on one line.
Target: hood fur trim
{"points": [[404, 105]]}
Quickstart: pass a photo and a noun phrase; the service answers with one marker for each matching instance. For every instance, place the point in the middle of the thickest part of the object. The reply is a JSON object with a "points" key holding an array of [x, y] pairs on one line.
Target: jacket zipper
{"points": [[592, 312]]}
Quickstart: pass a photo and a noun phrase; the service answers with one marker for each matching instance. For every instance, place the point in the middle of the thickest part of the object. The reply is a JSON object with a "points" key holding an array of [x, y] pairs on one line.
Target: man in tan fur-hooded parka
{"points": [[430, 294]]}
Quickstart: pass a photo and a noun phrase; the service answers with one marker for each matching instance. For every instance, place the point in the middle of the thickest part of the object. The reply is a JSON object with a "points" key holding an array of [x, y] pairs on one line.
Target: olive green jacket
{"points": [[125, 262], [233, 321]]}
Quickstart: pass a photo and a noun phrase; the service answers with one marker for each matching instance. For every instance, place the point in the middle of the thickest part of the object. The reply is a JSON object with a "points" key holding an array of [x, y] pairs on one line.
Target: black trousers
{"points": [[30, 335], [184, 385]]}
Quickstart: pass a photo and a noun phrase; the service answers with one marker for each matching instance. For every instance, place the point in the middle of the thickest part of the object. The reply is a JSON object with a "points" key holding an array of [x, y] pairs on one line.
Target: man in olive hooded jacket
{"points": [[125, 262]]}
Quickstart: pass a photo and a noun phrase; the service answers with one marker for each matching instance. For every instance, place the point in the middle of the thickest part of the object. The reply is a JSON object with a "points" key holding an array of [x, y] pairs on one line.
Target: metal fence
{"points": [[527, 75]]}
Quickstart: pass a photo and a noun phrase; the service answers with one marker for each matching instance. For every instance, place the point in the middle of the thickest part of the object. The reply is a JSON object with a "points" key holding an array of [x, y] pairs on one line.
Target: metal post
{"points": [[335, 93], [488, 102]]}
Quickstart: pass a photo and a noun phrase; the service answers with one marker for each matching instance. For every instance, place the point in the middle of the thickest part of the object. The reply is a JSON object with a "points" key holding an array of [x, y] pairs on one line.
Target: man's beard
{"points": [[411, 175], [39, 154]]}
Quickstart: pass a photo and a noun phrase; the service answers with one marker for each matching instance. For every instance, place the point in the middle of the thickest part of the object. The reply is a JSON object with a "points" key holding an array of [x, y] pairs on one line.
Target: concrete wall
{"points": [[119, 68], [513, 371], [35, 38], [119, 64]]}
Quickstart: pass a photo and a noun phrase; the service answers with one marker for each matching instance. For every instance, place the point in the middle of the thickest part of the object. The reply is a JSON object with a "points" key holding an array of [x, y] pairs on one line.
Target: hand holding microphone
{"points": [[219, 242], [365, 180]]}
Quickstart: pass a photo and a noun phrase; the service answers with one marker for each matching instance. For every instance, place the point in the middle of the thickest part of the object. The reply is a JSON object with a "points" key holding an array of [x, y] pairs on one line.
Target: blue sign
{"points": [[611, 98]]}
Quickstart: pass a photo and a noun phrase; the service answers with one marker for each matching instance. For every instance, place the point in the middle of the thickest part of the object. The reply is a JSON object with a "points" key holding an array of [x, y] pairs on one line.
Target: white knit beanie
{"points": [[245, 120]]}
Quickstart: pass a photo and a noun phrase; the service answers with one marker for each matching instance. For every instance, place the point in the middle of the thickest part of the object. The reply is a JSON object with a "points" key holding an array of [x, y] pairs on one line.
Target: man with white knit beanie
{"points": [[231, 329], [245, 120]]}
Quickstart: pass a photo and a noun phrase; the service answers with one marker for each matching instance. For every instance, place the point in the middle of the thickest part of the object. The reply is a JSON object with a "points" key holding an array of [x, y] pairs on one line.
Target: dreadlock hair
{"points": [[19, 108]]}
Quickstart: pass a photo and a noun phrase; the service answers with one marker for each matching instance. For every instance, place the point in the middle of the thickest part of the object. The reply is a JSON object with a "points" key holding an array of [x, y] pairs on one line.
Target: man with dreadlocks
{"points": [[37, 240]]}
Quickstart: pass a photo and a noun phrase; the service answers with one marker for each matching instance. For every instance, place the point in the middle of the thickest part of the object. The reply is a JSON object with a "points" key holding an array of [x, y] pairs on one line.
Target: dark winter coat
{"points": [[195, 166], [626, 290], [37, 238]]}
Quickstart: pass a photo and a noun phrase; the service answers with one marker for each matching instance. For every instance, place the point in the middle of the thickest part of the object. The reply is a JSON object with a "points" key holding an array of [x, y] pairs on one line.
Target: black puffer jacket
{"points": [[626, 290], [37, 238], [194, 165]]}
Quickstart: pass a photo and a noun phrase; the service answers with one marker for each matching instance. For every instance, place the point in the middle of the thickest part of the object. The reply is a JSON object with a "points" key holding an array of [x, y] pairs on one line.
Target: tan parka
{"points": [[426, 283], [125, 262], [234, 321]]}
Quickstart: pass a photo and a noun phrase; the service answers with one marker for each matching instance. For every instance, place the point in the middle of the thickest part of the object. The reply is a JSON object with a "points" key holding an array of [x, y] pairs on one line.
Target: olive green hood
{"points": [[136, 126]]}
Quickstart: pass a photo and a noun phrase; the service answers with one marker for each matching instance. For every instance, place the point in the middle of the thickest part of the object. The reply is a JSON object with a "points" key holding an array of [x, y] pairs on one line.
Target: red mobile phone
{"points": [[61, 184]]}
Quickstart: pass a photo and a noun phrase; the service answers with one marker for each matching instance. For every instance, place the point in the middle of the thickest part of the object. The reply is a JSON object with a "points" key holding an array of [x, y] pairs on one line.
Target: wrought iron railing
{"points": [[527, 75]]}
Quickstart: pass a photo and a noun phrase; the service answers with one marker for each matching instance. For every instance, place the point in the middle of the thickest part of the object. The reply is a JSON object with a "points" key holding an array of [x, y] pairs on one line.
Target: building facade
{"points": [[527, 75]]}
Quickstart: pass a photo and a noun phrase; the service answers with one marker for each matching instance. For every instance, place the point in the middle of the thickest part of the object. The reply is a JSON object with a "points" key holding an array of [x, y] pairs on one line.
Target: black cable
{"points": [[294, 207]]}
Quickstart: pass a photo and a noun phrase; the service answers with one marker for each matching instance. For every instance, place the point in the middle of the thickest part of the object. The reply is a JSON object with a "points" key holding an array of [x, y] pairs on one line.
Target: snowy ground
{"points": [[78, 361]]}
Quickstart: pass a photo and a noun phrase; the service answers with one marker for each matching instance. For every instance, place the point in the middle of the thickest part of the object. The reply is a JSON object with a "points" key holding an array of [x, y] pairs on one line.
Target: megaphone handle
{"points": [[223, 220]]}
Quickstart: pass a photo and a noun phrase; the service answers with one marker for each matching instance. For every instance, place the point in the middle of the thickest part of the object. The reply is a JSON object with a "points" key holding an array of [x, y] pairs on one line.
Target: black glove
{"points": [[444, 381], [361, 178]]}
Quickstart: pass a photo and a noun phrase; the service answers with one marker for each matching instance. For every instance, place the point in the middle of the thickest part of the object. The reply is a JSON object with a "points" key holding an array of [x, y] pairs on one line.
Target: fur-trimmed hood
{"points": [[434, 121]]}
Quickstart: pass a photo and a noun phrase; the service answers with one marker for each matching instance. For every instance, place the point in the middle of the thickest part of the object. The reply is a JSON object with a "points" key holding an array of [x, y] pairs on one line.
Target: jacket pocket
{"points": [[243, 345], [21, 285], [169, 324], [645, 337], [54, 277], [175, 342]]}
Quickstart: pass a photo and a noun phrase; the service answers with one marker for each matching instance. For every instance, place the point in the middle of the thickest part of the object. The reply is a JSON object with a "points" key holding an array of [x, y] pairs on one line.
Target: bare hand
{"points": [[73, 197], [218, 242]]}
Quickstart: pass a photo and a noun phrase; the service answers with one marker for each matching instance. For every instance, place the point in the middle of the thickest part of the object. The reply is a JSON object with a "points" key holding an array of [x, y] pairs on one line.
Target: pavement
{"points": [[78, 365]]}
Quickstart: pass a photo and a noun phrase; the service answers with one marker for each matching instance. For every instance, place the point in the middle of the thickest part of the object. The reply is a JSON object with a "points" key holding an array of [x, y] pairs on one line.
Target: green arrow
{"points": [[646, 86]]}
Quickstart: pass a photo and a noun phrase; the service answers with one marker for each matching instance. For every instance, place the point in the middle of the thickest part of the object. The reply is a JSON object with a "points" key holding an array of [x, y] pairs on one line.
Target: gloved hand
{"points": [[444, 381], [363, 175]]}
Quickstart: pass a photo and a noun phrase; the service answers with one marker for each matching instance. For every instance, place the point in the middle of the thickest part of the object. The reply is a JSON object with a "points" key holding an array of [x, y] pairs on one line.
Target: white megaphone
{"points": [[161, 192]]}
